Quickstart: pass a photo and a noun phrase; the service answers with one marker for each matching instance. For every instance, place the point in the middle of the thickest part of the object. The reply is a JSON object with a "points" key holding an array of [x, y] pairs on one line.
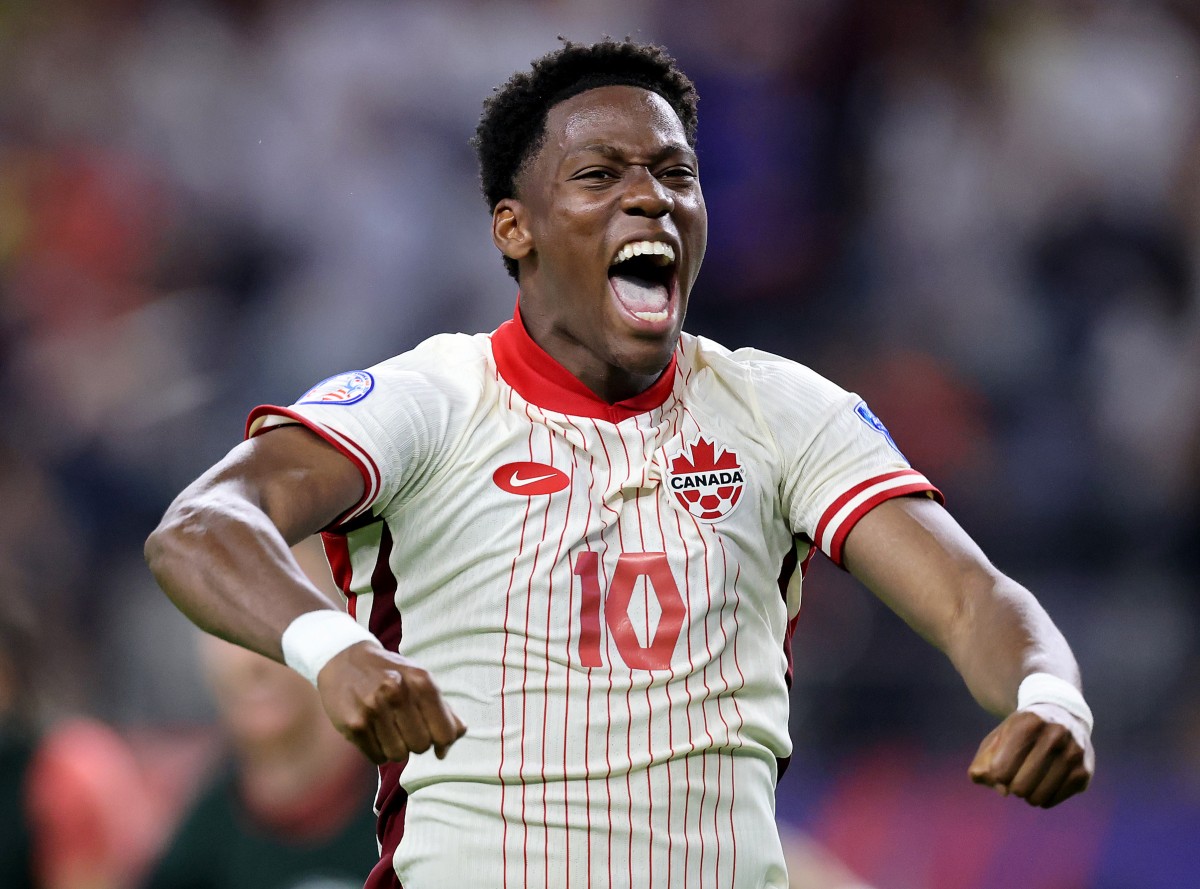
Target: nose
{"points": [[646, 196]]}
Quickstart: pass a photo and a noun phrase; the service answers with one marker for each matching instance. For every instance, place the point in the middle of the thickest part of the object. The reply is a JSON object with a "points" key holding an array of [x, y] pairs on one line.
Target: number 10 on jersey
{"points": [[656, 654]]}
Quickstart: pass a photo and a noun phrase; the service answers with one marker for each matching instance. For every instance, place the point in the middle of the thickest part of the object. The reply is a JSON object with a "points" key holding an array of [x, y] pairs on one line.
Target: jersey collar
{"points": [[541, 380]]}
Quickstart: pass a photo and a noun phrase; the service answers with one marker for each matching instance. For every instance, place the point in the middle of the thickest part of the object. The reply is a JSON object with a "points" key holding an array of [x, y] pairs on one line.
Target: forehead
{"points": [[625, 117]]}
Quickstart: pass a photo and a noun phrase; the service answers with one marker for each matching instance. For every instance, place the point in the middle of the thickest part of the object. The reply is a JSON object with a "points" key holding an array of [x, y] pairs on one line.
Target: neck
{"points": [[542, 380], [609, 382]]}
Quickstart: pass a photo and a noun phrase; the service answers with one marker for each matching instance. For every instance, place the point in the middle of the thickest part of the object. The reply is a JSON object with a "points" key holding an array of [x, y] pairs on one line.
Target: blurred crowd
{"points": [[981, 215]]}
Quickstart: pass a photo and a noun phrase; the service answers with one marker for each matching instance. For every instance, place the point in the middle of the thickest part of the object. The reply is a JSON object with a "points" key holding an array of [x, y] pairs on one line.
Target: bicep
{"points": [[301, 482], [913, 555]]}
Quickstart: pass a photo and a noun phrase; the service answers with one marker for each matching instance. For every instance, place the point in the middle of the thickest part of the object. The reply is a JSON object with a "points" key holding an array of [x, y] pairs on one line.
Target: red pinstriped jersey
{"points": [[601, 591]]}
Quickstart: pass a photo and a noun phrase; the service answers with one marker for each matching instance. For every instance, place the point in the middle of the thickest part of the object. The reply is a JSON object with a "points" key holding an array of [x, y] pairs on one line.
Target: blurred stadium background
{"points": [[982, 215]]}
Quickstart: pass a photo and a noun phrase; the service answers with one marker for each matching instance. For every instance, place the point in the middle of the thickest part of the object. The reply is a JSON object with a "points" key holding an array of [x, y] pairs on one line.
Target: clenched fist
{"points": [[385, 705], [1042, 754]]}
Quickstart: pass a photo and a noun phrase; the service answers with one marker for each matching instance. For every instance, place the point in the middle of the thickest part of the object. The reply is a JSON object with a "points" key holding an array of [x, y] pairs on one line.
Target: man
{"points": [[564, 543]]}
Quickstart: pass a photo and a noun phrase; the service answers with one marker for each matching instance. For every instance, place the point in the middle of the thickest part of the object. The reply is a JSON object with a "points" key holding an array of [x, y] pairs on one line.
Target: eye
{"points": [[596, 174], [678, 174]]}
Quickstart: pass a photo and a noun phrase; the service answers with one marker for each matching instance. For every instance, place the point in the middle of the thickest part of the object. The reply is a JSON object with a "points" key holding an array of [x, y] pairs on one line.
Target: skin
{"points": [[914, 556], [230, 531], [614, 167]]}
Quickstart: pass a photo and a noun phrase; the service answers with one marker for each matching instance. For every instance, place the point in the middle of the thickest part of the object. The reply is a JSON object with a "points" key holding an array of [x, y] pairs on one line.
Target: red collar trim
{"points": [[541, 380]]}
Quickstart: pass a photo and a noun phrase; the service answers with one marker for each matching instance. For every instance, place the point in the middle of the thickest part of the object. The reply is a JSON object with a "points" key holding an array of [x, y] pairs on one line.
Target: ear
{"points": [[510, 232]]}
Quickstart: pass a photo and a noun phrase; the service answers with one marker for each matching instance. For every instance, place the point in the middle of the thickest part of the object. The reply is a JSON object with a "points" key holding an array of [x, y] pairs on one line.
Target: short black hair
{"points": [[513, 124]]}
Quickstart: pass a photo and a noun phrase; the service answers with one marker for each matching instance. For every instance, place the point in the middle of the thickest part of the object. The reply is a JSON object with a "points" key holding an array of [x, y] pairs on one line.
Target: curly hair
{"points": [[513, 125]]}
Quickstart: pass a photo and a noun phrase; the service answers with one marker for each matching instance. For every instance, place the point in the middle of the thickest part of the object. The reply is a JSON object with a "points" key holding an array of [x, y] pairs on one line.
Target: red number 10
{"points": [[656, 655]]}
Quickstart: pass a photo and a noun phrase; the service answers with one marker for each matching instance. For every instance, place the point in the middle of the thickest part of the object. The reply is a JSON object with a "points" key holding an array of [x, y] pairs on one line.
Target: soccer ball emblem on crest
{"points": [[706, 480]]}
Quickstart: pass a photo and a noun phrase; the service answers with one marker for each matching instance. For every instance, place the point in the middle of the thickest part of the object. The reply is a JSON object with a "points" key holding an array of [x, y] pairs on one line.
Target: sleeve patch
{"points": [[868, 417], [344, 388]]}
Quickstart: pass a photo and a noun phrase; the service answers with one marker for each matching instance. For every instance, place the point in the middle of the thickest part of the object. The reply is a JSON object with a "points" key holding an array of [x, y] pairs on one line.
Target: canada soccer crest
{"points": [[706, 479]]}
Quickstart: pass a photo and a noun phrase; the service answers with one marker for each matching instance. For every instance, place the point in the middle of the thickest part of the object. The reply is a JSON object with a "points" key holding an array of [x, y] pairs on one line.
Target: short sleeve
{"points": [[394, 421], [838, 461]]}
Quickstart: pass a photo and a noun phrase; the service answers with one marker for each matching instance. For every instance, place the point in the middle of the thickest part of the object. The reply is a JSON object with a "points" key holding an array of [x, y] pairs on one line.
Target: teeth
{"points": [[651, 316], [662, 253]]}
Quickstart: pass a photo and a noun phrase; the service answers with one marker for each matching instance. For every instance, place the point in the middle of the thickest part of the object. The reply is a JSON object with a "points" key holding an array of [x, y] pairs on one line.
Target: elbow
{"points": [[152, 549], [156, 548], [156, 544], [179, 533]]}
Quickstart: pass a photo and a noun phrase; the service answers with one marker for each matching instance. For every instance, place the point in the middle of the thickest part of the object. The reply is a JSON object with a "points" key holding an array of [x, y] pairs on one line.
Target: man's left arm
{"points": [[916, 558]]}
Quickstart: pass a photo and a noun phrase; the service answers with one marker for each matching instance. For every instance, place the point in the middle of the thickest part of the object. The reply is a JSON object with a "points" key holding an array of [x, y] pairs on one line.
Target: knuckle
{"points": [[394, 680], [420, 745], [1059, 735], [1074, 757], [418, 679], [392, 690], [1027, 718], [375, 703]]}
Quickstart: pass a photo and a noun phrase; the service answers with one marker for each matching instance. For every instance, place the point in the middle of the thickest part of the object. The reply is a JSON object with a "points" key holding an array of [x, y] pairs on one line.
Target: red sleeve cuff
{"points": [[844, 513], [256, 424]]}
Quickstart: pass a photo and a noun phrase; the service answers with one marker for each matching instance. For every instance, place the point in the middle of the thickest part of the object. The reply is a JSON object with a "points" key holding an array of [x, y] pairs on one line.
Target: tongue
{"points": [[640, 295]]}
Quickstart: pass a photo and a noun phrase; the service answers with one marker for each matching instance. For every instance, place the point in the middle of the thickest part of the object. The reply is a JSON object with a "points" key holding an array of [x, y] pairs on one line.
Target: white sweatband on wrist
{"points": [[1045, 688], [312, 639]]}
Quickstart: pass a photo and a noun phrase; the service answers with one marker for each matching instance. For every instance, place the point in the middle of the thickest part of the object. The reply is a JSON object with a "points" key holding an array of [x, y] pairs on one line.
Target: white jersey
{"points": [[602, 594]]}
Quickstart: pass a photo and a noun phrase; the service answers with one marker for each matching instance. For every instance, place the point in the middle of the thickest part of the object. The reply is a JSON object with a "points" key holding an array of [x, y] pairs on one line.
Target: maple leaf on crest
{"points": [[704, 459]]}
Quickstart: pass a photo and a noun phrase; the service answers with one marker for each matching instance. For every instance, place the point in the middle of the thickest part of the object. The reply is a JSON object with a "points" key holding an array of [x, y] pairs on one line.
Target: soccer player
{"points": [[572, 548]]}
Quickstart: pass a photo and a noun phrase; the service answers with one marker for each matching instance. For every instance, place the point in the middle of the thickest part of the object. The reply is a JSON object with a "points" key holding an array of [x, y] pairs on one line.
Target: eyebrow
{"points": [[613, 153]]}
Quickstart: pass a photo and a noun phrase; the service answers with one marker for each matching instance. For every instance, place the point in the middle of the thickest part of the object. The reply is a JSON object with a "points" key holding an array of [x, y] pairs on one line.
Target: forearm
{"points": [[228, 568], [1042, 751], [917, 559], [1001, 635]]}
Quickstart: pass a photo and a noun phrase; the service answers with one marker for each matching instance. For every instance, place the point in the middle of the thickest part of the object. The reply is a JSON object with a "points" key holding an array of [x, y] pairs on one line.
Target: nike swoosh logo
{"points": [[528, 478], [517, 482]]}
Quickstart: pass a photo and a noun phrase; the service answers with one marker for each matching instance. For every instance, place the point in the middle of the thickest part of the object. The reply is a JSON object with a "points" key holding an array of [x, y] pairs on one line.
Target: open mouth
{"points": [[642, 275]]}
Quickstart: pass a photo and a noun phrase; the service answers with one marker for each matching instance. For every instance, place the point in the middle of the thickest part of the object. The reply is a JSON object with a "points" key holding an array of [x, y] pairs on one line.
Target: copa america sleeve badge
{"points": [[868, 416], [343, 388]]}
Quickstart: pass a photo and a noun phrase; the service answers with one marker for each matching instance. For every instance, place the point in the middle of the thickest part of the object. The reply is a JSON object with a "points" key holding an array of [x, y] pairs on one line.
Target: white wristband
{"points": [[312, 639], [1045, 688]]}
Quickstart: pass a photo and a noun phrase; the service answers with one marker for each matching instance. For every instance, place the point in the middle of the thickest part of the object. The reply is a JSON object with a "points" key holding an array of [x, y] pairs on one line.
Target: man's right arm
{"points": [[221, 554]]}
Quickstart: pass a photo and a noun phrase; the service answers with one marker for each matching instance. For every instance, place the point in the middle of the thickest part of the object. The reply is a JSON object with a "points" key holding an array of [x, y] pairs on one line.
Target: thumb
{"points": [[982, 765]]}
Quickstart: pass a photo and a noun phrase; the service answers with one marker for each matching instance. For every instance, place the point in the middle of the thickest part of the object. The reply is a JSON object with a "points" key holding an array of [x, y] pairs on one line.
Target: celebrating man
{"points": [[572, 548]]}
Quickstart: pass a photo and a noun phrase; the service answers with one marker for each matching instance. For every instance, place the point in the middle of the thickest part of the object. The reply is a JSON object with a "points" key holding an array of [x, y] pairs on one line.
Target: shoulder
{"points": [[771, 381], [455, 362], [448, 370]]}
